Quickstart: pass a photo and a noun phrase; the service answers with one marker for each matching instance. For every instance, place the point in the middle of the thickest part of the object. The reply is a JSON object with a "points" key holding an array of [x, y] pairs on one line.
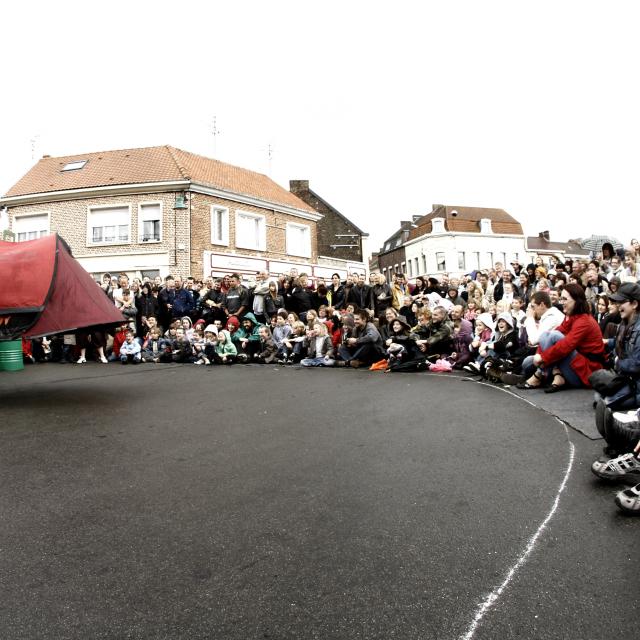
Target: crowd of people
{"points": [[551, 325]]}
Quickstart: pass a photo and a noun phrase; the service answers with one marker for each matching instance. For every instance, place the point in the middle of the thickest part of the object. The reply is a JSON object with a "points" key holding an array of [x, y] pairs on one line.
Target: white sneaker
{"points": [[81, 361], [625, 468], [629, 500]]}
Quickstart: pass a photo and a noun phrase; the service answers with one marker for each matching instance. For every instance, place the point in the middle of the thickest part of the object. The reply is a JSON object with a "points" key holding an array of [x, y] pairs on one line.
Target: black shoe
{"points": [[511, 378]]}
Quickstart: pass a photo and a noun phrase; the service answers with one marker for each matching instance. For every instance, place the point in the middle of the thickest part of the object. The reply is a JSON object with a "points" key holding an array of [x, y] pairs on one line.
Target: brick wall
{"points": [[389, 259], [331, 227], [275, 230], [184, 242]]}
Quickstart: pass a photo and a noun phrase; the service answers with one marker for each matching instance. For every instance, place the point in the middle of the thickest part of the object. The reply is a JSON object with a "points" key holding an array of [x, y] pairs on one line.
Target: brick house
{"points": [[160, 210], [338, 237], [392, 256]]}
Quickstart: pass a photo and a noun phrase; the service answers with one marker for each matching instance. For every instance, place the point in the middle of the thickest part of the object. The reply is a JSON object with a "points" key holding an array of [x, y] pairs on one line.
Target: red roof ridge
{"points": [[181, 168]]}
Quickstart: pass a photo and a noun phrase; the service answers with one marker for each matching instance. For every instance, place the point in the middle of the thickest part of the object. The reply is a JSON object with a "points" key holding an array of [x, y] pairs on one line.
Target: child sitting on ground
{"points": [[268, 349], [153, 346], [206, 350], [319, 348], [225, 350], [293, 349], [130, 350]]}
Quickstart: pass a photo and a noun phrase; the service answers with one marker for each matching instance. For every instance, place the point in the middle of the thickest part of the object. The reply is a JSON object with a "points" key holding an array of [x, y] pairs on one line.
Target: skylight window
{"points": [[74, 166]]}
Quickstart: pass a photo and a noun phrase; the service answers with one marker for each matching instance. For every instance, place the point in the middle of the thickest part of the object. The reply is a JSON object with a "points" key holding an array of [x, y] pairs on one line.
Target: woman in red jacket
{"points": [[573, 351]]}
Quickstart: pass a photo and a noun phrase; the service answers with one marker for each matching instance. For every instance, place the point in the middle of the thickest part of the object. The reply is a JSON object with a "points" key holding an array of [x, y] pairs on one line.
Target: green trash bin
{"points": [[11, 355]]}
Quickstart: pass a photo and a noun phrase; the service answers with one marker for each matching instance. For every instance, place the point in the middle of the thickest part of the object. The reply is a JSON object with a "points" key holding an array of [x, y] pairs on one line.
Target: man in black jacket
{"points": [[365, 346]]}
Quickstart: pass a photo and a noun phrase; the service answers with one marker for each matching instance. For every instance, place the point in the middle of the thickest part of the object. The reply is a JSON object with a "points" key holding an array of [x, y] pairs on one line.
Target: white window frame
{"points": [[290, 248], [437, 225], [224, 213], [91, 209], [141, 221], [485, 225], [74, 165], [262, 230], [21, 217], [444, 261], [462, 259]]}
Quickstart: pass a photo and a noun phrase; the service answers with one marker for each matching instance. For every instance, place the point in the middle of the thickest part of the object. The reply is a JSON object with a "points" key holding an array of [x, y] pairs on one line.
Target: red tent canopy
{"points": [[44, 283]]}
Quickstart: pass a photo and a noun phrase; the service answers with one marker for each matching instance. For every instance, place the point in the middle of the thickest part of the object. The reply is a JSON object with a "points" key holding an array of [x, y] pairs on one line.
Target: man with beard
{"points": [[436, 337], [365, 345]]}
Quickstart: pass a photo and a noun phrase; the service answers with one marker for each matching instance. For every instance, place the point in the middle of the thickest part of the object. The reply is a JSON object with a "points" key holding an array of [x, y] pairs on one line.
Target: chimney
{"points": [[298, 186], [46, 156], [544, 235]]}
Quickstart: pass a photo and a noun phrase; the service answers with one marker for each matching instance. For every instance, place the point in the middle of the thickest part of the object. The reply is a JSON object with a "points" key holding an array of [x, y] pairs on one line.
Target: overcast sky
{"points": [[386, 108]]}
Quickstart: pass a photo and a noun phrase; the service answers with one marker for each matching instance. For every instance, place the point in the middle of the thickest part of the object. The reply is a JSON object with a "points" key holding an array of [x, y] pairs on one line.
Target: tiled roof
{"points": [[151, 164], [467, 219], [537, 243]]}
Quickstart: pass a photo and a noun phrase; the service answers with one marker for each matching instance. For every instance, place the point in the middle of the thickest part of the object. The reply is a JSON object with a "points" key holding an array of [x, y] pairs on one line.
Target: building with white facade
{"points": [[457, 240]]}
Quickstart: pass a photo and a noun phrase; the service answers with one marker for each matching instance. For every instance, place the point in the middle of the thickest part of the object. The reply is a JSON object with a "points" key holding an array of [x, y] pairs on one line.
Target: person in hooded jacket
{"points": [[247, 337], [504, 340]]}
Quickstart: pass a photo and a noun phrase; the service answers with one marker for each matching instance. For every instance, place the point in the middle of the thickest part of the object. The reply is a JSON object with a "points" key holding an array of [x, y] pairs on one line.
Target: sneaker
{"points": [[472, 367], [629, 500], [103, 360], [625, 468], [354, 364], [243, 357], [81, 361], [341, 363]]}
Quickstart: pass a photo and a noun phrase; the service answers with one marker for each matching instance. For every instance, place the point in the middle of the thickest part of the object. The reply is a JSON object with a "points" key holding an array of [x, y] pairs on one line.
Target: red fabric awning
{"points": [[42, 276]]}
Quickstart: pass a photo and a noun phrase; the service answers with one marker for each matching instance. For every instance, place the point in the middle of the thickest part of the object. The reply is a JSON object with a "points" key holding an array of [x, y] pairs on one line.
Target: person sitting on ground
{"points": [[626, 349], [402, 350], [205, 345], [247, 337], [119, 339], [478, 347], [268, 350], [293, 344], [572, 352], [319, 348], [281, 332], [436, 339], [364, 347], [154, 346], [181, 350], [390, 314], [462, 337], [225, 350], [130, 351]]}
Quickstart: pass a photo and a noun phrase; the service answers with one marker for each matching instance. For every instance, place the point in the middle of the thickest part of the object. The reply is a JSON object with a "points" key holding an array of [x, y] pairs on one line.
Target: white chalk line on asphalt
{"points": [[494, 596]]}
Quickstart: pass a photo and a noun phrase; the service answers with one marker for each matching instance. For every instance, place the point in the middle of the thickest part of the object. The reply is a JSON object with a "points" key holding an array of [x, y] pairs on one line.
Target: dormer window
{"points": [[485, 225], [437, 225]]}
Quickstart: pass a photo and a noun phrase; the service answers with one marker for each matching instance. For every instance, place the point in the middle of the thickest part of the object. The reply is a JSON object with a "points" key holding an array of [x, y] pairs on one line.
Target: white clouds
{"points": [[385, 109]]}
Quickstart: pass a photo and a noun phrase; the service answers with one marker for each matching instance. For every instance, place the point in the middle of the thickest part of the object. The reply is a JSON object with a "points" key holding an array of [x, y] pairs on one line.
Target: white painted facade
{"points": [[455, 253]]}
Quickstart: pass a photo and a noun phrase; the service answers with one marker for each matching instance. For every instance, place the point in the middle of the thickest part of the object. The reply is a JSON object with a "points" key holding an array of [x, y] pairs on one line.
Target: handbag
{"points": [[607, 383]]}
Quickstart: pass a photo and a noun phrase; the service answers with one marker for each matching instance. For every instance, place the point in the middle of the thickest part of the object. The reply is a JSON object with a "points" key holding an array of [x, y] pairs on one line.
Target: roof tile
{"points": [[151, 164]]}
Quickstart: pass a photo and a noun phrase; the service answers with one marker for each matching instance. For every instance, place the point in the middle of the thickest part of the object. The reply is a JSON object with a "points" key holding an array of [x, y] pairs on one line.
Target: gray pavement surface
{"points": [[268, 502]]}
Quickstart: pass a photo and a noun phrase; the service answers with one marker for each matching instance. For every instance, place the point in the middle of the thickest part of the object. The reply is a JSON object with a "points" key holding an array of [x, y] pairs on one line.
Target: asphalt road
{"points": [[263, 502]]}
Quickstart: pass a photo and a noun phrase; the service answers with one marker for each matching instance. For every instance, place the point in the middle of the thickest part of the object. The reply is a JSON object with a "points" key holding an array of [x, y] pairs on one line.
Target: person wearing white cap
{"points": [[478, 347]]}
